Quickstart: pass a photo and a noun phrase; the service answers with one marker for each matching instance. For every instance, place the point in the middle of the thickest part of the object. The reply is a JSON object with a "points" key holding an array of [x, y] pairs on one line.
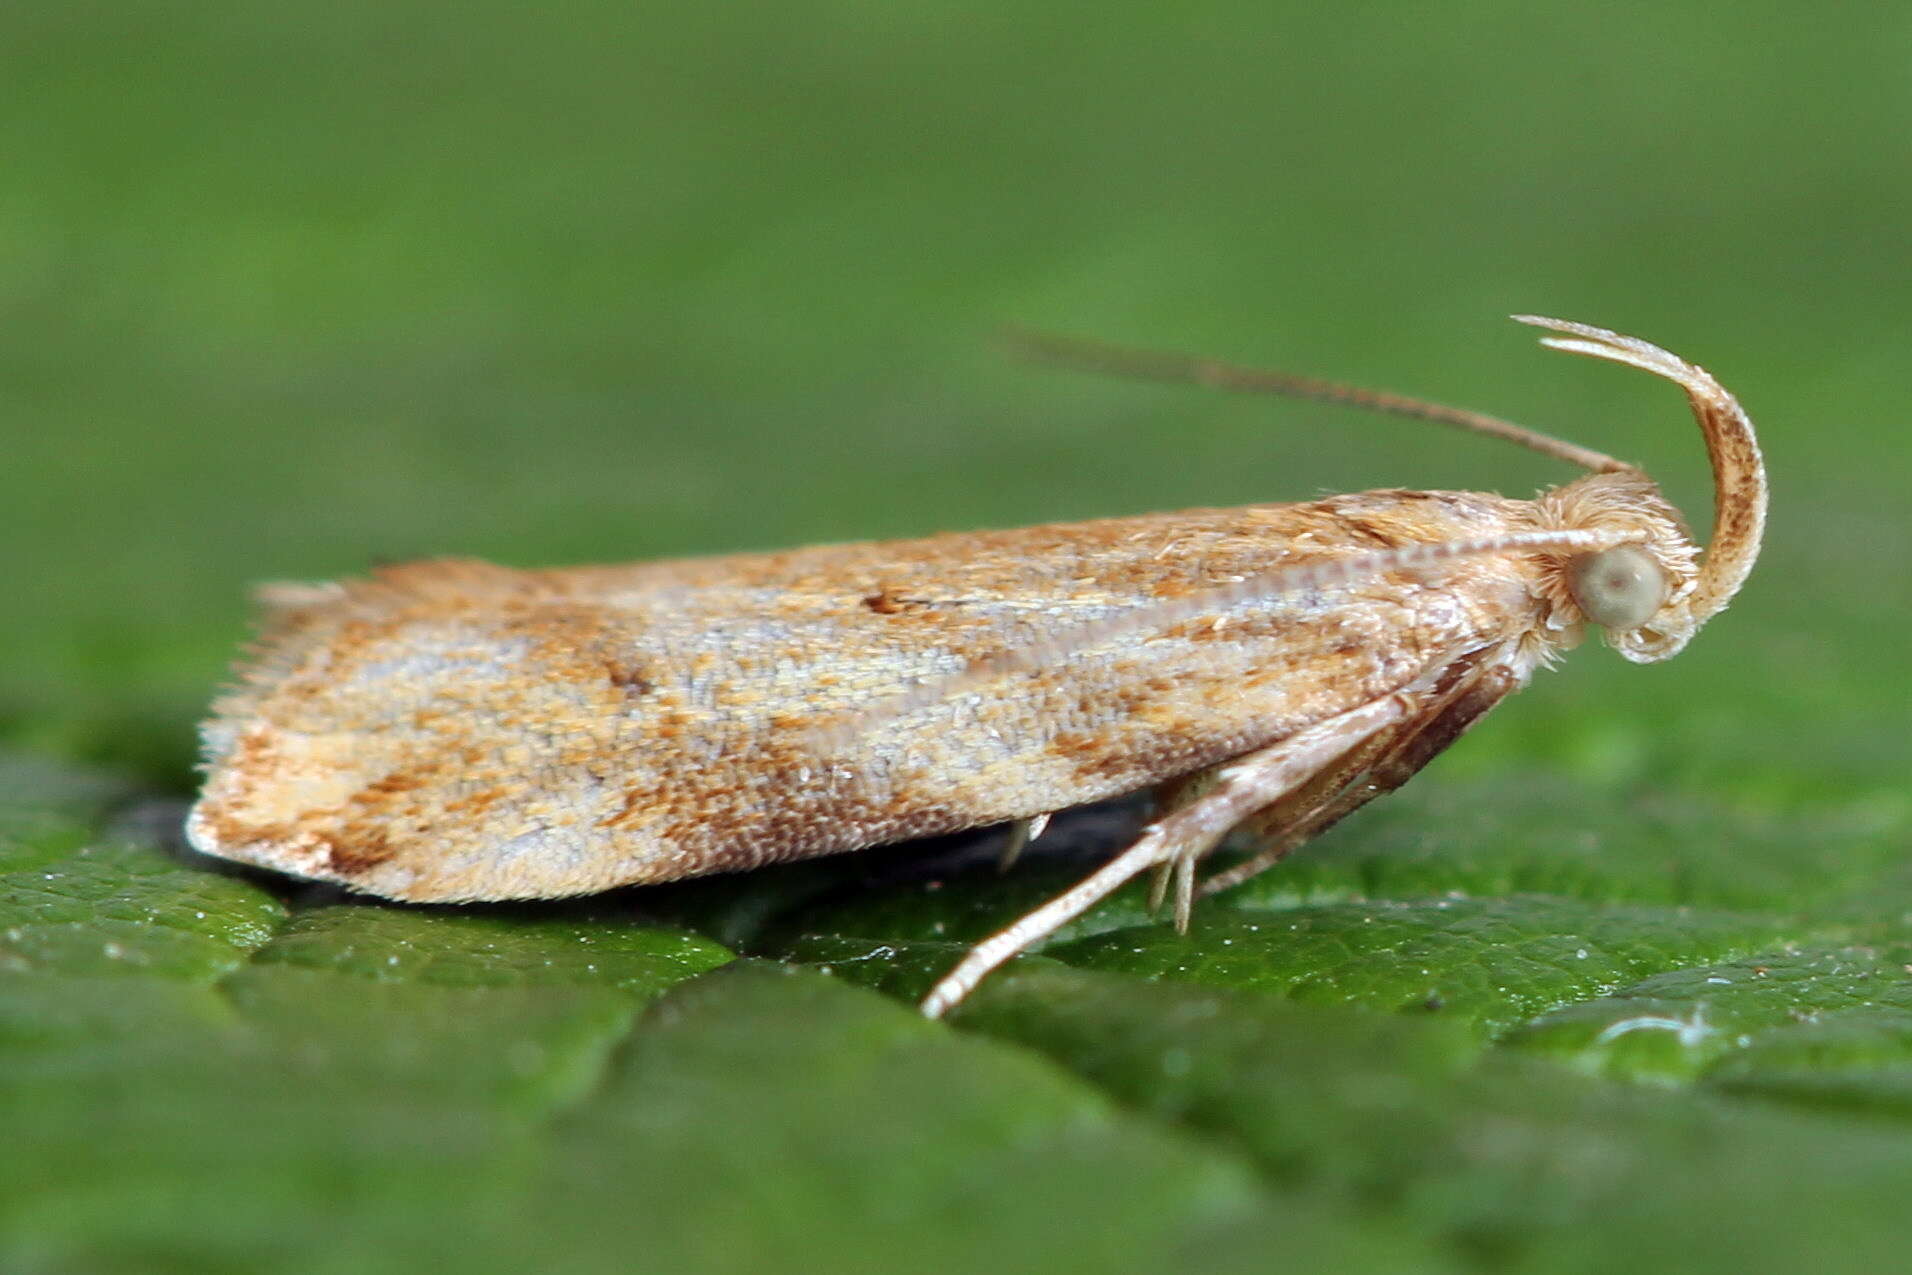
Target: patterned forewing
{"points": [[453, 730]]}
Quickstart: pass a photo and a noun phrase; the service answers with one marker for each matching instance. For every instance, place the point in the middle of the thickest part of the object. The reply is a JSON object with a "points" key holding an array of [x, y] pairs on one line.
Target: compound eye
{"points": [[1618, 588]]}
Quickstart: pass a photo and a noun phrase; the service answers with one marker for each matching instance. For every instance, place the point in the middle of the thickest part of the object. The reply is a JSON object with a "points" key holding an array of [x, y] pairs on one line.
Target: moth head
{"points": [[1636, 582], [1652, 587]]}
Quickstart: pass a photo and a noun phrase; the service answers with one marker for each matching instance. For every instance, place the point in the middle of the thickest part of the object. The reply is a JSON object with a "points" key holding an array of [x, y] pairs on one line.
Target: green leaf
{"points": [[1538, 834], [1482, 1155], [866, 1132], [1492, 962]]}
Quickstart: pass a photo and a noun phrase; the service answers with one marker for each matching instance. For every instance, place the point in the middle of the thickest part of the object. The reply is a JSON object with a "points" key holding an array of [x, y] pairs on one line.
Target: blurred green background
{"points": [[291, 291]]}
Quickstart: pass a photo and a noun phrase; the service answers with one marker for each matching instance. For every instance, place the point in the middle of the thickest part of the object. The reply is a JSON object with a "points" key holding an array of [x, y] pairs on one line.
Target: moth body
{"points": [[454, 731]]}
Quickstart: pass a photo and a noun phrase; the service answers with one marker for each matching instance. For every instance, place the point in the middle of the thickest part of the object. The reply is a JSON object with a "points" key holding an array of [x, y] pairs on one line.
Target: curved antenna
{"points": [[1739, 474], [1187, 369]]}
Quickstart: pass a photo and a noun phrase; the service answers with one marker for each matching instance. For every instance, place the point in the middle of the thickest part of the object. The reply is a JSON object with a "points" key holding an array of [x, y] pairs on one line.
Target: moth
{"points": [[451, 730]]}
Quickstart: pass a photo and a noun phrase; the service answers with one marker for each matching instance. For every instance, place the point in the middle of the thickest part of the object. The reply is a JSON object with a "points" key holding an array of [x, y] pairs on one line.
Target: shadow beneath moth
{"points": [[456, 731]]}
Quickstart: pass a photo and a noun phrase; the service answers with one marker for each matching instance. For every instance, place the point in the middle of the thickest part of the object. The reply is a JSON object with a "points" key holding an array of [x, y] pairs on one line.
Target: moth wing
{"points": [[454, 730]]}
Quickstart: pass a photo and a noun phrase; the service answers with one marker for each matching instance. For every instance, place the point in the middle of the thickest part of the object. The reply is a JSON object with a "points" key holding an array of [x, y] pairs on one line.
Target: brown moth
{"points": [[453, 731]]}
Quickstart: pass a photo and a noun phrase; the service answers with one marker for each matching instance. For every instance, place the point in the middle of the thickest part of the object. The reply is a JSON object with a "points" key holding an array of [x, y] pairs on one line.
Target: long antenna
{"points": [[1187, 369]]}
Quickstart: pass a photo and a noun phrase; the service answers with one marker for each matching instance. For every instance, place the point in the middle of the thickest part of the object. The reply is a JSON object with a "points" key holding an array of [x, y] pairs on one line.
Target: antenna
{"points": [[1188, 369]]}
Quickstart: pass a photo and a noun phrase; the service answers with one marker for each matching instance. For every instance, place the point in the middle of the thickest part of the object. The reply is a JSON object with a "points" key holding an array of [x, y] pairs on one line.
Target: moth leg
{"points": [[1180, 871], [1159, 877], [1323, 800], [1021, 833], [1249, 783], [1378, 765], [1184, 892], [1174, 795], [1308, 811]]}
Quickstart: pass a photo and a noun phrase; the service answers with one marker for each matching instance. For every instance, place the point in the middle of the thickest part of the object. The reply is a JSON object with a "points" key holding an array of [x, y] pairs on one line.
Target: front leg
{"points": [[1250, 783], [1378, 765]]}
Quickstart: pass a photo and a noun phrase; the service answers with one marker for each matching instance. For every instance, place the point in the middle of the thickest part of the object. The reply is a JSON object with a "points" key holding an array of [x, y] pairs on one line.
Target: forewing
{"points": [[453, 730]]}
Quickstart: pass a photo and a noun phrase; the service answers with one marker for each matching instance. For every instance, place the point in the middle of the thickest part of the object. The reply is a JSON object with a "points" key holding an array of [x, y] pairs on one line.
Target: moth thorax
{"points": [[1618, 588]]}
